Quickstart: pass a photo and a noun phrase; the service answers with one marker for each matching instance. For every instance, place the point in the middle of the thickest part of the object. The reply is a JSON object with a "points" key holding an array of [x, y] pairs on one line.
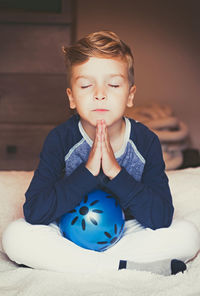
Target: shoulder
{"points": [[142, 136], [140, 131], [66, 128], [70, 125], [65, 134]]}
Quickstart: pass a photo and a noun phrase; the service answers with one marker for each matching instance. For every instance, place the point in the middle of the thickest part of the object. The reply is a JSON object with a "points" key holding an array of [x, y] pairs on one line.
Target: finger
{"points": [[103, 135], [106, 137], [106, 146], [97, 134], [103, 127], [104, 149]]}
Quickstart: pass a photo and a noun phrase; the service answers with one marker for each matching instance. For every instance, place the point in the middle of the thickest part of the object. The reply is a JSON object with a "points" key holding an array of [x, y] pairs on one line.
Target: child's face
{"points": [[100, 90]]}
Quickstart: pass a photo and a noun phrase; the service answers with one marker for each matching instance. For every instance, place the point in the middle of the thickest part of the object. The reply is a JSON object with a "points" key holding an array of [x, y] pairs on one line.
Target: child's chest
{"points": [[130, 159]]}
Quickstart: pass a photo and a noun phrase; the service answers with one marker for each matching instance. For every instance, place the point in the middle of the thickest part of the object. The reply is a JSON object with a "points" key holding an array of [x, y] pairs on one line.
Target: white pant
{"points": [[43, 247]]}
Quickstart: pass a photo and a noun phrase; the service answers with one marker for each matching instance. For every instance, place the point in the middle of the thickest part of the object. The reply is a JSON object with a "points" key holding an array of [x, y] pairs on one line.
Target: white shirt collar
{"points": [[126, 137]]}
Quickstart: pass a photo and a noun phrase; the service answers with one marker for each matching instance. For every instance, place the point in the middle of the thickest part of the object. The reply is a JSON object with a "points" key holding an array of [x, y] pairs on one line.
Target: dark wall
{"points": [[165, 39]]}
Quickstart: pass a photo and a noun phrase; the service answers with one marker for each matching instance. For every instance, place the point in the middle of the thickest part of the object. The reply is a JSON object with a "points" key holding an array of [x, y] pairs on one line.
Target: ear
{"points": [[131, 96], [71, 99]]}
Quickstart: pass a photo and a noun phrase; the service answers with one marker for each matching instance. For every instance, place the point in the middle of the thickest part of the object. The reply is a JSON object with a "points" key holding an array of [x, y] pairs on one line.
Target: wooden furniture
{"points": [[32, 82]]}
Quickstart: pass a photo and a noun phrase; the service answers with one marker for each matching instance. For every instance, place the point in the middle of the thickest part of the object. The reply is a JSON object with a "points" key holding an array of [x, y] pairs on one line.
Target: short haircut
{"points": [[102, 44]]}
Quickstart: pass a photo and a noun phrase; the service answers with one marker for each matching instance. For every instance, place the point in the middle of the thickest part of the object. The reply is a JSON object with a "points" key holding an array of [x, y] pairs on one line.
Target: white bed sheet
{"points": [[14, 280]]}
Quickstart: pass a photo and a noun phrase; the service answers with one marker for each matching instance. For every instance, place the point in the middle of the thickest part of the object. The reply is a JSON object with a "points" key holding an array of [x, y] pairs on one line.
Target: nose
{"points": [[100, 98], [99, 93]]}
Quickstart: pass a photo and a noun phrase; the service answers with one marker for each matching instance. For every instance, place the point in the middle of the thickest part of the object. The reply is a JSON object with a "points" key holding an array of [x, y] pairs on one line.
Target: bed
{"points": [[15, 280]]}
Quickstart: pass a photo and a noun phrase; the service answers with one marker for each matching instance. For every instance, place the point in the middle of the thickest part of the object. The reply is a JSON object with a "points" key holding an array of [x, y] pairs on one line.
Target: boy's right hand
{"points": [[94, 160]]}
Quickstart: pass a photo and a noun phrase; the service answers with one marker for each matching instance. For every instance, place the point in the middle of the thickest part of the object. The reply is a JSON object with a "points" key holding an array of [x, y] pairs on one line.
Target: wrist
{"points": [[92, 171], [114, 172]]}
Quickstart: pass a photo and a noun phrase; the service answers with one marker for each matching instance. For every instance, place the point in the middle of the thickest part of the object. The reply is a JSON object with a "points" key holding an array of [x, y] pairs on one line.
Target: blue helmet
{"points": [[96, 223]]}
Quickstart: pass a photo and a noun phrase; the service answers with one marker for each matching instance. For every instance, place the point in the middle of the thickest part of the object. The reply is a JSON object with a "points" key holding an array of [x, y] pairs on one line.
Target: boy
{"points": [[100, 148]]}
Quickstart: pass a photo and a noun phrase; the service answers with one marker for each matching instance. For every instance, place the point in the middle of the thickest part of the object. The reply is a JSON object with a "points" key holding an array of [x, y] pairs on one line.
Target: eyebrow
{"points": [[115, 75], [82, 76], [89, 77]]}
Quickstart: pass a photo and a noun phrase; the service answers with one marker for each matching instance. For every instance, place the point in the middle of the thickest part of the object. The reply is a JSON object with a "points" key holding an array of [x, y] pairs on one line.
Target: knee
{"points": [[189, 238], [194, 238], [13, 236]]}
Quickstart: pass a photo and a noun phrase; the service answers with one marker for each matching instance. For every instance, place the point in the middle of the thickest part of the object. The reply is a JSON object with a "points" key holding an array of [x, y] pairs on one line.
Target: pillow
{"points": [[13, 185], [185, 189]]}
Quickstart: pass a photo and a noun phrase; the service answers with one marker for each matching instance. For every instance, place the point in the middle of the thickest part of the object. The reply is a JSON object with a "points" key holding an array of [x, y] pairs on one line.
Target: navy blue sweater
{"points": [[62, 180]]}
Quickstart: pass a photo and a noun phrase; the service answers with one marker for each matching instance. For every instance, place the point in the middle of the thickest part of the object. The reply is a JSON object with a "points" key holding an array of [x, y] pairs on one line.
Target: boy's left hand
{"points": [[110, 166]]}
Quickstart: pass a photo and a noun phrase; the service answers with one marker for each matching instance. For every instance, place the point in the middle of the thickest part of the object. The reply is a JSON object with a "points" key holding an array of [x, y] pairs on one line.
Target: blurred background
{"points": [[163, 36]]}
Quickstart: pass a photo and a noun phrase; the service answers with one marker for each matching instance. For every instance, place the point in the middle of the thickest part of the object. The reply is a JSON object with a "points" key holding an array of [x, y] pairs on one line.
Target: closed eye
{"points": [[114, 85], [85, 86]]}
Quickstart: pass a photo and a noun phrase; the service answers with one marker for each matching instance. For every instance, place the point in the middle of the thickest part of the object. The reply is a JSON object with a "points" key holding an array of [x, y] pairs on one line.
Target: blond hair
{"points": [[103, 44]]}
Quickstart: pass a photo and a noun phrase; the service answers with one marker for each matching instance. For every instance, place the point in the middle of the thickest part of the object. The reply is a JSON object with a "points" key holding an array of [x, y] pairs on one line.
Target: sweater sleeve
{"points": [[149, 200], [50, 194]]}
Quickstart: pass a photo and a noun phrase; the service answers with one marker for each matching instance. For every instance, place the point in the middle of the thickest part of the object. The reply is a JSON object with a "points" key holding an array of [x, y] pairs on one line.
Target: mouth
{"points": [[100, 110]]}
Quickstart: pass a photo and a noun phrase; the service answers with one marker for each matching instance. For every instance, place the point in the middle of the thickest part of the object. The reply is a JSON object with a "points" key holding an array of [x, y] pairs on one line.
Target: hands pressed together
{"points": [[101, 154]]}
